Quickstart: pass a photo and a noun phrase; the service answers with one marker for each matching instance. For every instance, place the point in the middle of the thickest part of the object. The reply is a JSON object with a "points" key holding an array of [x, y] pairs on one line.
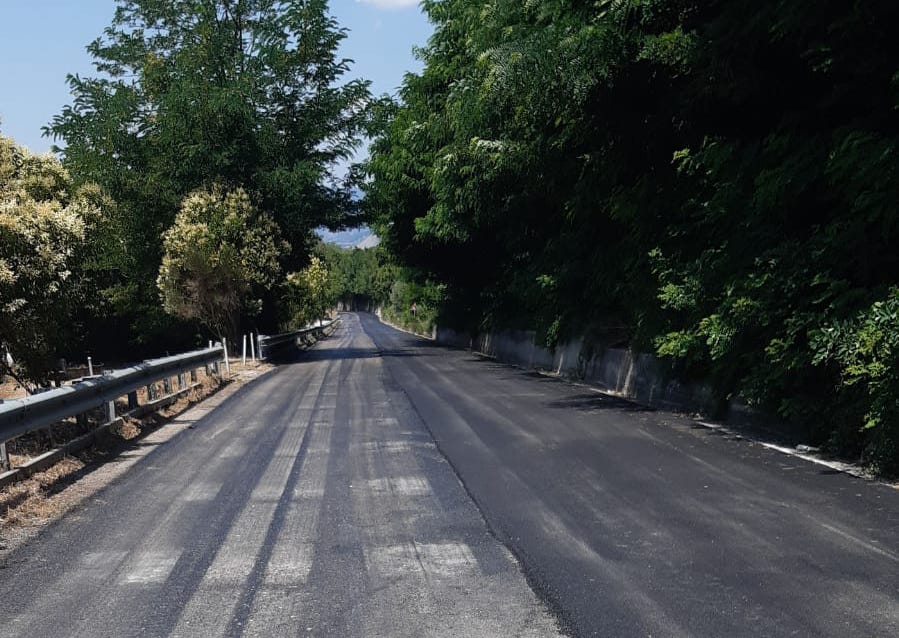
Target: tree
{"points": [[361, 279], [46, 226], [308, 294], [221, 254], [187, 93], [714, 180]]}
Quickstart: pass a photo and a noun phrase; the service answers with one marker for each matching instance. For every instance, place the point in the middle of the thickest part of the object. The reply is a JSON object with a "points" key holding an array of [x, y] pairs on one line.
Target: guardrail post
{"points": [[151, 392], [132, 400], [110, 411], [193, 376], [181, 381], [4, 458]]}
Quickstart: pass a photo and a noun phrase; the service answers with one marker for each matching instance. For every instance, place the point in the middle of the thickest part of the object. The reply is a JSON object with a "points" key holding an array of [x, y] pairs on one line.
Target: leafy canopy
{"points": [[220, 255], [46, 224], [307, 294], [187, 94], [715, 180]]}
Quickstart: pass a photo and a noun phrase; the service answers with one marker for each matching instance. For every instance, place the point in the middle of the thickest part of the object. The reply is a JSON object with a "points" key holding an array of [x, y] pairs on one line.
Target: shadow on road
{"points": [[594, 402]]}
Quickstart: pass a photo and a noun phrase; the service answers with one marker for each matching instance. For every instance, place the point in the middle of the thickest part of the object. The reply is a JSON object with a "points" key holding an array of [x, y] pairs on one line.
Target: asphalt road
{"points": [[381, 485]]}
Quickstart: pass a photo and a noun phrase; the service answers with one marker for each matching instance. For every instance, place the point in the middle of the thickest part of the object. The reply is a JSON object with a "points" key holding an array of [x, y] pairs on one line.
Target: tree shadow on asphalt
{"points": [[587, 401], [780, 434], [594, 402]]}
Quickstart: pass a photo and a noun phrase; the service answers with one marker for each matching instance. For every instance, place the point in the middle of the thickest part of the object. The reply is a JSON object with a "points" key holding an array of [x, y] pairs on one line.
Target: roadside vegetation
{"points": [[192, 171], [47, 223], [712, 181]]}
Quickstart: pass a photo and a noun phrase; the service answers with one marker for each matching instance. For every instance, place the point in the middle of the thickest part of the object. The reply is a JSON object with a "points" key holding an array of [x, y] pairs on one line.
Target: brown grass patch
{"points": [[10, 389], [127, 429], [28, 502], [26, 447]]}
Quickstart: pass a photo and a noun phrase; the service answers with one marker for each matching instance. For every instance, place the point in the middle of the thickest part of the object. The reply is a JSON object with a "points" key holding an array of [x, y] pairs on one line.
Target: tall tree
{"points": [[48, 236], [220, 255], [190, 92], [713, 179]]}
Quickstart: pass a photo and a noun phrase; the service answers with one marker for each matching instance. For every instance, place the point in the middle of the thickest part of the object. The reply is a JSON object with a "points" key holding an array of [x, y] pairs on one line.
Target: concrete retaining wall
{"points": [[640, 377]]}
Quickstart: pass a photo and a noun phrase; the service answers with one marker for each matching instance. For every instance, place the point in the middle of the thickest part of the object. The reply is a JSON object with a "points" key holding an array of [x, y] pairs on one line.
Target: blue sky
{"points": [[43, 40]]}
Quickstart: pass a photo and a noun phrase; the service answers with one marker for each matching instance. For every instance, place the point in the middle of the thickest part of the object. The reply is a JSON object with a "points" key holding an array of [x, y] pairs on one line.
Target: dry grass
{"points": [[10, 389], [28, 446], [127, 429], [27, 502]]}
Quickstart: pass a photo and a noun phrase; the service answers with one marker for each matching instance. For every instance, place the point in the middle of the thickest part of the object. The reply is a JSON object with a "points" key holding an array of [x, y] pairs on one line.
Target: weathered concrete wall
{"points": [[645, 379], [450, 337], [641, 377]]}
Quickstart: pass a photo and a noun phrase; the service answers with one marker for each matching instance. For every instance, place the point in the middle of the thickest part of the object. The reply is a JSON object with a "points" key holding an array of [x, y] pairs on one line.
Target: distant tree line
{"points": [[370, 280], [715, 181], [359, 279]]}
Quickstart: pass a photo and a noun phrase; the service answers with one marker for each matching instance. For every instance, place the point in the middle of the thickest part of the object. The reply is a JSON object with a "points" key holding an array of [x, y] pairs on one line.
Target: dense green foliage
{"points": [[414, 305], [359, 279], [715, 180], [242, 92], [46, 257], [369, 280], [306, 295], [221, 255]]}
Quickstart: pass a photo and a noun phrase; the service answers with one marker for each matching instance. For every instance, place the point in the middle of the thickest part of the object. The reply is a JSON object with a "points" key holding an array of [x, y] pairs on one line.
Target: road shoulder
{"points": [[47, 496]]}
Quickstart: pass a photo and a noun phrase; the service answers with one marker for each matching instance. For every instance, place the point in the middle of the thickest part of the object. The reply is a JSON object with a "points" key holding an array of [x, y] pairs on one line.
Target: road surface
{"points": [[384, 486]]}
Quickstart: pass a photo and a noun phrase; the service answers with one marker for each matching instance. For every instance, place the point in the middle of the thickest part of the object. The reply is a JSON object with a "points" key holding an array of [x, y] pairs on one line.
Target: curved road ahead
{"points": [[385, 486]]}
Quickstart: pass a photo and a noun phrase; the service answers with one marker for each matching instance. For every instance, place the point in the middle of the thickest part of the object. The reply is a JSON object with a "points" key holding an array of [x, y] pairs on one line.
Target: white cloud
{"points": [[391, 4]]}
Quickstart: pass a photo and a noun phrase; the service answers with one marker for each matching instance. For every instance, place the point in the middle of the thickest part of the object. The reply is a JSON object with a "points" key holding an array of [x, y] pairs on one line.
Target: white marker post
{"points": [[253, 346], [227, 362], [90, 367], [243, 354], [4, 458]]}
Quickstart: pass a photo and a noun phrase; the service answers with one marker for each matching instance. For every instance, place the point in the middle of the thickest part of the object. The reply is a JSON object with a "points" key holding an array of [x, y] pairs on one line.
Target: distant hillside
{"points": [[369, 242], [345, 238]]}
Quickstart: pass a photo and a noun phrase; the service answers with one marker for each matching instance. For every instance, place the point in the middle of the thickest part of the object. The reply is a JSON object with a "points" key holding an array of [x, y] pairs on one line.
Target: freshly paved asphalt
{"points": [[377, 487]]}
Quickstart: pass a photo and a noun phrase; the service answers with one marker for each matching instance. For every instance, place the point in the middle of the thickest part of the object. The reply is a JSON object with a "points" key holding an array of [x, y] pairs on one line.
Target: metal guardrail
{"points": [[21, 416], [270, 345]]}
